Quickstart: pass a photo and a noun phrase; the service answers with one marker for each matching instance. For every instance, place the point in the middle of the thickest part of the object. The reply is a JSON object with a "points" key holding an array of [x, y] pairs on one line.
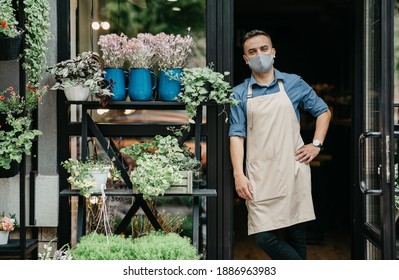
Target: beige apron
{"points": [[282, 185]]}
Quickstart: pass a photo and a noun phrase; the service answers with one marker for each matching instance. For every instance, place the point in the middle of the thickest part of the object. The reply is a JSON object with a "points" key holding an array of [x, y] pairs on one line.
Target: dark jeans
{"points": [[285, 244]]}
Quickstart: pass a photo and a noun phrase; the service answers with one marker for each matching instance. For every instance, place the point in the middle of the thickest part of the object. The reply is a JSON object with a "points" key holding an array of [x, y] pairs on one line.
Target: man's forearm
{"points": [[237, 154], [322, 124]]}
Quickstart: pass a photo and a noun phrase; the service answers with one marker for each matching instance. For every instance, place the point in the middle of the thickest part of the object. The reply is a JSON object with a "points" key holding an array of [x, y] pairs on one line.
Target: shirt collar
{"points": [[277, 76]]}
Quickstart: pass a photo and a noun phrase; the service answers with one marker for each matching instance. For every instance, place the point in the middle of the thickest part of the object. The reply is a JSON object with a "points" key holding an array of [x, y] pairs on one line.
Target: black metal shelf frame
{"points": [[89, 128], [22, 247]]}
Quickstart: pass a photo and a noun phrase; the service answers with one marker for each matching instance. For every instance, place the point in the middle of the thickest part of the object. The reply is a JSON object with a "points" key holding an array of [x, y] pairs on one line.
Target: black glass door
{"points": [[375, 221]]}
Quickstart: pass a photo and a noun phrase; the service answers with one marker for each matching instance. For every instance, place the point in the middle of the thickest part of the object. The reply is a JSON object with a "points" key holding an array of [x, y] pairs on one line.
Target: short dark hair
{"points": [[254, 33]]}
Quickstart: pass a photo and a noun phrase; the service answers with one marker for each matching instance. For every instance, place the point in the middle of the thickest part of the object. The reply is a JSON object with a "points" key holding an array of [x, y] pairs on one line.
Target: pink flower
{"points": [[6, 224], [11, 88]]}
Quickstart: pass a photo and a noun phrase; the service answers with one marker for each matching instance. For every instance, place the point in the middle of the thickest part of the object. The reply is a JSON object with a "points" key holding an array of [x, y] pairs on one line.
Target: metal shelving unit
{"points": [[22, 247], [88, 128]]}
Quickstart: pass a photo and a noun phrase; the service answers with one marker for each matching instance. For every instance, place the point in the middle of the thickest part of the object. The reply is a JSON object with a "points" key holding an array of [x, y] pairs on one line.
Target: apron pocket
{"points": [[267, 180]]}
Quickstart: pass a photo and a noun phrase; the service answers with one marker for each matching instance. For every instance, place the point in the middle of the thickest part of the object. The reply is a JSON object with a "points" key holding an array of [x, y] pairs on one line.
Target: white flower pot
{"points": [[77, 93], [100, 176], [4, 237]]}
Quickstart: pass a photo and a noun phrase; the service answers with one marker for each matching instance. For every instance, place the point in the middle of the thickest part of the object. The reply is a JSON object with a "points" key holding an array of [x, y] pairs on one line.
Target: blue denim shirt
{"points": [[299, 92]]}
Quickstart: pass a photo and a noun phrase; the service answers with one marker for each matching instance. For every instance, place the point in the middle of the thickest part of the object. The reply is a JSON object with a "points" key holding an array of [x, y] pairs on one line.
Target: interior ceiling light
{"points": [[95, 25], [176, 9], [105, 25]]}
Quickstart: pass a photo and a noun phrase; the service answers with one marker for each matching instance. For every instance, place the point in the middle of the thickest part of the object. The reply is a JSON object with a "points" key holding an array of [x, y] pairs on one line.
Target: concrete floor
{"points": [[334, 246]]}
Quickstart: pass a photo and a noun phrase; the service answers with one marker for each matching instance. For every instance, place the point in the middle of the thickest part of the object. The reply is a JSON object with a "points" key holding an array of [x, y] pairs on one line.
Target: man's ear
{"points": [[274, 52], [245, 58]]}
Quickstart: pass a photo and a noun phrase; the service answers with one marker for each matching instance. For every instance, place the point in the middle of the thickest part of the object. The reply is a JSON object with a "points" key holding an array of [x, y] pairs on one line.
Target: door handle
{"points": [[362, 183]]}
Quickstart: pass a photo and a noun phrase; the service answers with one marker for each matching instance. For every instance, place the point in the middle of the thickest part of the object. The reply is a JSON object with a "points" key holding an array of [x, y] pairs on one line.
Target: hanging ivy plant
{"points": [[37, 34], [202, 84]]}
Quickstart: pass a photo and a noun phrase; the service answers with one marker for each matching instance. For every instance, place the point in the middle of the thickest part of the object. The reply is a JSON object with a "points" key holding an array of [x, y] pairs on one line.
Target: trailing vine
{"points": [[37, 34]]}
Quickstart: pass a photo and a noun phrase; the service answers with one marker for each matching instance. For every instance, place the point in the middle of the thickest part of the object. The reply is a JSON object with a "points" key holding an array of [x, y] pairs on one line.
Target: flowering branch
{"points": [[113, 49]]}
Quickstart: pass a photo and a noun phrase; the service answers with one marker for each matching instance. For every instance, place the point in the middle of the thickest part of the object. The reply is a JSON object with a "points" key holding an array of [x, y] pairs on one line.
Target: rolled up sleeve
{"points": [[238, 125], [310, 101]]}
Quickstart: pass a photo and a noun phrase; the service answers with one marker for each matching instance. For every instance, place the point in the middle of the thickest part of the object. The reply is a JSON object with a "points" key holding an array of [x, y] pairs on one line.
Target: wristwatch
{"points": [[318, 144]]}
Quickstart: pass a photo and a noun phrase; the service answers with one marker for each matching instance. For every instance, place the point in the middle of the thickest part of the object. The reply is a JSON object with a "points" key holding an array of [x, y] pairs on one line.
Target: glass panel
{"points": [[142, 16], [372, 113]]}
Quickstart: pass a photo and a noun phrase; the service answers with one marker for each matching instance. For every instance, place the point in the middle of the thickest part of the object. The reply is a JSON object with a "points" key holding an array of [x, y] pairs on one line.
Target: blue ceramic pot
{"points": [[141, 85], [169, 84], [117, 77]]}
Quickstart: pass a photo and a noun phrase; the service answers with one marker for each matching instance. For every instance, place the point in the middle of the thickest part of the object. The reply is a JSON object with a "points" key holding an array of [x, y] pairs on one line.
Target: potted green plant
{"points": [[202, 84], [140, 54], [153, 246], [160, 165], [17, 135], [172, 54], [112, 48], [88, 176], [81, 76], [10, 34]]}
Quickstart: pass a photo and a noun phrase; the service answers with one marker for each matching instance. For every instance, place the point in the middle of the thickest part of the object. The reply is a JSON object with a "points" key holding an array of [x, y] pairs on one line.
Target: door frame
{"points": [[385, 239]]}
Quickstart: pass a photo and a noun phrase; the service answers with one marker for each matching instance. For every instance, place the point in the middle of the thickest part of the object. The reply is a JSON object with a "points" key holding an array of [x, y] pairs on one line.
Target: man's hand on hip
{"points": [[307, 153]]}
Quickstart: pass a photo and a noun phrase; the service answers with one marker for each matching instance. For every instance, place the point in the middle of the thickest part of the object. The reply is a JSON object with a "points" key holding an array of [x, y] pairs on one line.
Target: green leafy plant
{"points": [[163, 246], [158, 164], [154, 246], [96, 246], [202, 84], [8, 23], [37, 34], [81, 176], [84, 70], [17, 140]]}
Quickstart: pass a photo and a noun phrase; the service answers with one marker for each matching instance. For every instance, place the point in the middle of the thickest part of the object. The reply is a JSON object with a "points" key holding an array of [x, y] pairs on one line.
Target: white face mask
{"points": [[261, 63]]}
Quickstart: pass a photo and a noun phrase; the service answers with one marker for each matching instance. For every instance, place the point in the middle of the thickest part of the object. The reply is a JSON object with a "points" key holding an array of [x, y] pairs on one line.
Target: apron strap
{"points": [[249, 91], [280, 85]]}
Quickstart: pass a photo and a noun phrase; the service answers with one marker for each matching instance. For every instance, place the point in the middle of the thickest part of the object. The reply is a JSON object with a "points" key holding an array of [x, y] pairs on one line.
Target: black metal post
{"points": [[63, 52]]}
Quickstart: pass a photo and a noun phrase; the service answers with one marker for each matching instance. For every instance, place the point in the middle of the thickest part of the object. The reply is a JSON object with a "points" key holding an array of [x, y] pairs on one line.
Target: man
{"points": [[276, 183]]}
